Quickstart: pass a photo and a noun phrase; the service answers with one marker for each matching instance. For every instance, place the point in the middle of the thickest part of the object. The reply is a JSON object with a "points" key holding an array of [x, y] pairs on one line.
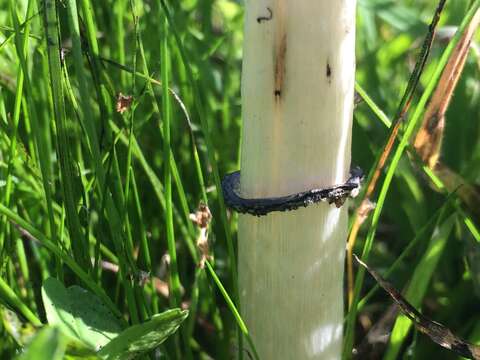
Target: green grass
{"points": [[81, 181]]}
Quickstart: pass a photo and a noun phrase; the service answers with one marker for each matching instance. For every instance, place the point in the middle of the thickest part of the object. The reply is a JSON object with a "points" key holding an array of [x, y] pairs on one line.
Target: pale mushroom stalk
{"points": [[297, 96]]}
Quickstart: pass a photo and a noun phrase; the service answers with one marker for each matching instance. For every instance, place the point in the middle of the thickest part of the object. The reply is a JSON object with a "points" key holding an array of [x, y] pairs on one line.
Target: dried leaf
{"points": [[439, 333], [202, 219], [428, 141], [123, 103]]}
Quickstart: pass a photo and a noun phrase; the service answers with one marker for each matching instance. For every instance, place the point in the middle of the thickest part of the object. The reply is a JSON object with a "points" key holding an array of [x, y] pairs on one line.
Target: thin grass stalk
{"points": [[9, 296], [4, 229], [154, 181], [130, 173], [119, 11], [231, 305], [174, 278], [144, 247], [167, 115], [80, 250], [374, 107], [211, 154], [186, 228], [42, 148], [209, 143]]}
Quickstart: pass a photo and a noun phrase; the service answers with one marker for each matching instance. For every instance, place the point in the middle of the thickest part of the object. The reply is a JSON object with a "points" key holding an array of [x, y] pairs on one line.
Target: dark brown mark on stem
{"points": [[266, 18], [329, 73], [432, 123], [280, 66]]}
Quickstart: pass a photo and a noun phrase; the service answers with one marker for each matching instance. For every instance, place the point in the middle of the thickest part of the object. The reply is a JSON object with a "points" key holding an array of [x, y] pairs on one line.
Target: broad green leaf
{"points": [[49, 343], [79, 314], [24, 333], [139, 339]]}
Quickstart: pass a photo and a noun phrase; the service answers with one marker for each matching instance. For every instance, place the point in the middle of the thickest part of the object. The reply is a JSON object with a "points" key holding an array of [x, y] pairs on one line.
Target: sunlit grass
{"points": [[82, 182]]}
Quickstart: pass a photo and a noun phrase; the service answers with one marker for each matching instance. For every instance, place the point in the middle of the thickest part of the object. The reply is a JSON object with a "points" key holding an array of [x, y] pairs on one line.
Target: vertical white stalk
{"points": [[297, 93]]}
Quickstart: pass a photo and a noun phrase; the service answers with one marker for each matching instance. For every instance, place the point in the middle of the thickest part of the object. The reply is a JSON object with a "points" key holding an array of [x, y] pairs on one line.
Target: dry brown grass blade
{"points": [[439, 333], [428, 141]]}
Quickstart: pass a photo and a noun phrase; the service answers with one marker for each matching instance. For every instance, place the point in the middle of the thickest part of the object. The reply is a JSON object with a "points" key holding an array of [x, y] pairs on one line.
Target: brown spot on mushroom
{"points": [[329, 73], [260, 19], [280, 62]]}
